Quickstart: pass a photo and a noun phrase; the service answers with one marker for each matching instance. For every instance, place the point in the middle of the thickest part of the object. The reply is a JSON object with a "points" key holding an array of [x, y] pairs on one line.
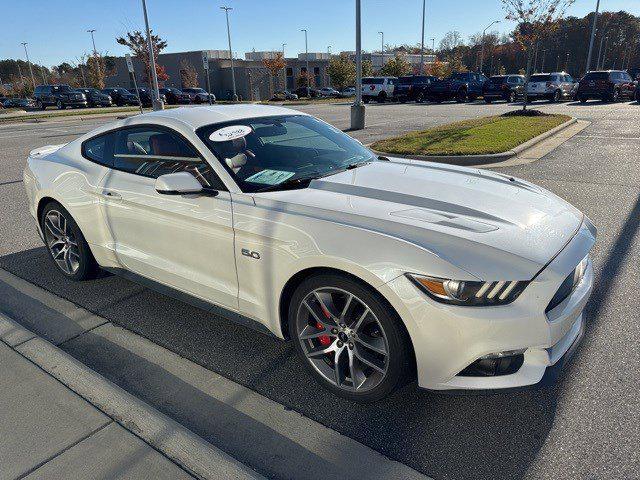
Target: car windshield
{"points": [[373, 81], [596, 76], [270, 151], [540, 78]]}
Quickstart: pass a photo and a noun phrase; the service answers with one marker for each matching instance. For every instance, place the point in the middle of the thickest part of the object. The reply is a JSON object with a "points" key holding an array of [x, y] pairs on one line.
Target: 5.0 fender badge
{"points": [[248, 253]]}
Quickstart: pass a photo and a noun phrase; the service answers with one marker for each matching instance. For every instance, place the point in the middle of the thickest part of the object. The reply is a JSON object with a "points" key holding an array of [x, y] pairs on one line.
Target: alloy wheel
{"points": [[62, 242], [342, 339]]}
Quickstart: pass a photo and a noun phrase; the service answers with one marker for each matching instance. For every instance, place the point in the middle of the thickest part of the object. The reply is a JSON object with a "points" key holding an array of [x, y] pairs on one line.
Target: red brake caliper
{"points": [[324, 340]]}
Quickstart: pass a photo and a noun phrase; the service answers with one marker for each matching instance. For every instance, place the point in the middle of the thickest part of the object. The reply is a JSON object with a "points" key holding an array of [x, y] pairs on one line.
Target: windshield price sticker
{"points": [[230, 133]]}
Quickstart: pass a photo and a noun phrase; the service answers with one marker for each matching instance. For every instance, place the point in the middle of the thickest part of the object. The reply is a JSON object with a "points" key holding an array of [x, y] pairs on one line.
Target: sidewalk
{"points": [[50, 432]]}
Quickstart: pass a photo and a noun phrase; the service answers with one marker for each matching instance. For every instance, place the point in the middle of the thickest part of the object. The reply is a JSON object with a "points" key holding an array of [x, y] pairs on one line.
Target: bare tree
{"points": [[536, 19], [451, 40]]}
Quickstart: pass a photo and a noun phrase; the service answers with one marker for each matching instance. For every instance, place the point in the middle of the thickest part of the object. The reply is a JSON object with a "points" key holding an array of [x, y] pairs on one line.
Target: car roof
{"points": [[199, 116]]}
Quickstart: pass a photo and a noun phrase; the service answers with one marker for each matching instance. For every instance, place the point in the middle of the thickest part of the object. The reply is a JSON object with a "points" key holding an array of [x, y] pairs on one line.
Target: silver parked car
{"points": [[554, 86]]}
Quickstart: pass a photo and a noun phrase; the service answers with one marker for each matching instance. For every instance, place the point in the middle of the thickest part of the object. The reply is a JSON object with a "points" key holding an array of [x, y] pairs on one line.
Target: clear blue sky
{"points": [[56, 29]]}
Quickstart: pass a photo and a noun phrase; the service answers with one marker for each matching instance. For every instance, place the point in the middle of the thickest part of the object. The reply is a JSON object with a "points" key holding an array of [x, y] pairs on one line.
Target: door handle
{"points": [[112, 195]]}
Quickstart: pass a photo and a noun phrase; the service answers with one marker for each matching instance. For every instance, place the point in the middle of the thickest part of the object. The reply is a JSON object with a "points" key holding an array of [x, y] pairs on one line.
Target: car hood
{"points": [[492, 226]]}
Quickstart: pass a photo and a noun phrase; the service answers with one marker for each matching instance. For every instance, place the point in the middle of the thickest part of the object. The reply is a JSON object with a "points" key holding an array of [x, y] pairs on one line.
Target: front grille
{"points": [[567, 286]]}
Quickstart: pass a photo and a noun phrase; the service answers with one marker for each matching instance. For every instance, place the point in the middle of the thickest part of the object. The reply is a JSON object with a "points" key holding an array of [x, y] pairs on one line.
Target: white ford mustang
{"points": [[378, 269]]}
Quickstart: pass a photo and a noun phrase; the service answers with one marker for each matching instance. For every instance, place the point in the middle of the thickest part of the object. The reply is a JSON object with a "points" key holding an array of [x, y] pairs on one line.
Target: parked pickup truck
{"points": [[414, 87], [459, 86]]}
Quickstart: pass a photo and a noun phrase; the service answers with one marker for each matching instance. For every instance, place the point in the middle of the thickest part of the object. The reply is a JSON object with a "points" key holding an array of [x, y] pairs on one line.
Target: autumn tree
{"points": [[437, 68], [188, 74], [274, 66], [367, 68], [137, 43], [536, 19], [304, 79], [342, 71], [396, 67]]}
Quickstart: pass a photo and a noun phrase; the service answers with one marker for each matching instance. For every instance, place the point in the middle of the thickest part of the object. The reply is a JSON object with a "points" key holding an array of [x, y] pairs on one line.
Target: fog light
{"points": [[495, 364]]}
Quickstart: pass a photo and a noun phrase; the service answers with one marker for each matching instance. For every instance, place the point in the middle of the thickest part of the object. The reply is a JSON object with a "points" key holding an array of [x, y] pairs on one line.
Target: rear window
{"points": [[373, 81], [596, 76], [540, 78]]}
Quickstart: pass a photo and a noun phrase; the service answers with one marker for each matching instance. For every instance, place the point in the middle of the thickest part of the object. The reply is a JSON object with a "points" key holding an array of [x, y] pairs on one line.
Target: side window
{"points": [[96, 149], [151, 152]]}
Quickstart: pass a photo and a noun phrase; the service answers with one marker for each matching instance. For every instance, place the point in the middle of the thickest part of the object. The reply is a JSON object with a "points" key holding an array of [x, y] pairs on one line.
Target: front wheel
{"points": [[420, 97], [65, 243], [60, 105], [556, 97], [487, 100], [348, 338], [382, 97], [461, 96]]}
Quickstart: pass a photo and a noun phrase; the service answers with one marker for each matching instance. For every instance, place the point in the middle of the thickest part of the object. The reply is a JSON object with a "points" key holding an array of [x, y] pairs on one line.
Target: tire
{"points": [[556, 97], [60, 105], [382, 97], [40, 105], [461, 96], [78, 263], [380, 328], [511, 97], [616, 96], [487, 100], [365, 99], [582, 99], [420, 97]]}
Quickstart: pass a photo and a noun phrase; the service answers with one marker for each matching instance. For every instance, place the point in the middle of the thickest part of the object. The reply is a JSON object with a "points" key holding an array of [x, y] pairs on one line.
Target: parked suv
{"points": [[199, 95], [62, 96], [95, 98], [378, 88], [459, 86], [504, 87], [175, 96], [608, 86], [121, 96], [414, 87], [554, 87]]}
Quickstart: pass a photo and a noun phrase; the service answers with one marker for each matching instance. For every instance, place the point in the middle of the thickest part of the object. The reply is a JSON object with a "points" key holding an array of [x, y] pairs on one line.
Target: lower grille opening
{"points": [[494, 366]]}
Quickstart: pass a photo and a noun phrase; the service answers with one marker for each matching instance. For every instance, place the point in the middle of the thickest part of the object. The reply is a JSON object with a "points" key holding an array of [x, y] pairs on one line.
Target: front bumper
{"points": [[447, 339]]}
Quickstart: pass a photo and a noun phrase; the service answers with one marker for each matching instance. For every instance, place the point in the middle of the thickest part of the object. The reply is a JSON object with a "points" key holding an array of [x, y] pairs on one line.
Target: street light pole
{"points": [[382, 47], [24, 44], [95, 52], [233, 73], [593, 36], [482, 41], [284, 70], [306, 55], [566, 65], [358, 109], [157, 101], [422, 41]]}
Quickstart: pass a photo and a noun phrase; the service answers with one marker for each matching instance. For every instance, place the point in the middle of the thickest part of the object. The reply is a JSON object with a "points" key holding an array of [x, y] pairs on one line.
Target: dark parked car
{"points": [[635, 73], [95, 98], [199, 95], [284, 95], [504, 87], [302, 92], [414, 87], [121, 96], [175, 96], [607, 85], [461, 87], [25, 103], [62, 96]]}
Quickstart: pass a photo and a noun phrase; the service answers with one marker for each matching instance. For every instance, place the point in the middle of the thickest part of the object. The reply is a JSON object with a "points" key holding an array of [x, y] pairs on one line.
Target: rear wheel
{"points": [[582, 99], [511, 97], [556, 96], [348, 338], [65, 243], [461, 96], [487, 100], [420, 97], [382, 97], [60, 105]]}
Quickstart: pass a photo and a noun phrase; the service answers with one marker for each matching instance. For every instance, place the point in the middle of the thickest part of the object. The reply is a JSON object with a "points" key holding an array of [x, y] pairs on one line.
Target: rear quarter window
{"points": [[97, 149]]}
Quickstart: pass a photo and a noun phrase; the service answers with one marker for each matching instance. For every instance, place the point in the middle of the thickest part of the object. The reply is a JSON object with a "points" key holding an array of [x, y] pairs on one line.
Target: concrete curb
{"points": [[185, 448], [469, 160]]}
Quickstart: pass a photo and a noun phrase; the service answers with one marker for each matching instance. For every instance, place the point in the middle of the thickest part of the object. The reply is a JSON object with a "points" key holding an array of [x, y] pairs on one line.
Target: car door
{"points": [[184, 241]]}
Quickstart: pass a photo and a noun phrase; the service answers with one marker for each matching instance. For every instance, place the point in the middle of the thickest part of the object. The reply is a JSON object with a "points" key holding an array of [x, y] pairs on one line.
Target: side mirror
{"points": [[179, 183]]}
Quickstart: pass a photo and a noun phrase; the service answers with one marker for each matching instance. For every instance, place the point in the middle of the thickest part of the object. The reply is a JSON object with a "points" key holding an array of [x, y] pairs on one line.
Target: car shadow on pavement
{"points": [[444, 436]]}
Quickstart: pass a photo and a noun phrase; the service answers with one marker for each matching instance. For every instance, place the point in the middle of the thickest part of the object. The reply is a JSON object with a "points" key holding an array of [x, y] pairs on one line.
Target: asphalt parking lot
{"points": [[585, 427]]}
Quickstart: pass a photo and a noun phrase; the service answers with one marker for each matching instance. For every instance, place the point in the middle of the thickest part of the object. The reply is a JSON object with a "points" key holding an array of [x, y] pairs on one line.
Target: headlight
{"points": [[466, 293]]}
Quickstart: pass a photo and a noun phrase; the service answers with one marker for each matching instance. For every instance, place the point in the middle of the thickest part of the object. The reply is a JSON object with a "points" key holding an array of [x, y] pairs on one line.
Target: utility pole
{"points": [[24, 44], [382, 47], [306, 55], [157, 101], [482, 42], [284, 70], [233, 73], [544, 57], [593, 35], [421, 71], [358, 109]]}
